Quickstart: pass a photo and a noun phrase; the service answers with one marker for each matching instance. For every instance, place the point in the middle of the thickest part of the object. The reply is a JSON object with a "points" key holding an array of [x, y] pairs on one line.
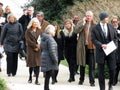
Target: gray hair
{"points": [[41, 13], [49, 28], [11, 14], [31, 8], [89, 12]]}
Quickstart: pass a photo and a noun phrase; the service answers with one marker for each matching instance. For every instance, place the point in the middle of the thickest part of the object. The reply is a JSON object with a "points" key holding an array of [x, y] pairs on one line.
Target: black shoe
{"points": [[53, 82], [37, 83], [9, 75], [110, 87], [114, 83], [0, 69], [80, 83], [13, 75], [56, 81], [30, 81], [71, 80], [92, 84]]}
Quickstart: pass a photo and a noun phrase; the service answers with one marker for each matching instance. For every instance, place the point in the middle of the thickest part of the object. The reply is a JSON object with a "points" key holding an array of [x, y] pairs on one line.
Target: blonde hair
{"points": [[11, 14], [70, 21], [31, 23], [58, 29]]}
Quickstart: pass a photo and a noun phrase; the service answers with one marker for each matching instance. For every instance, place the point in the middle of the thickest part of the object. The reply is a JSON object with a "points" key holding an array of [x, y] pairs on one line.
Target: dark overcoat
{"points": [[10, 37], [98, 39]]}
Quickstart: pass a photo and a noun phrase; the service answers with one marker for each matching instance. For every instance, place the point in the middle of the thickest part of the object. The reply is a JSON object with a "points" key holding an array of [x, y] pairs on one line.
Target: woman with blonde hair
{"points": [[70, 44], [33, 40], [10, 37]]}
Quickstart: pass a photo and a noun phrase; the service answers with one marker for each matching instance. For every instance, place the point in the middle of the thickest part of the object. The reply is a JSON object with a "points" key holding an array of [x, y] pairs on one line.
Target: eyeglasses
{"points": [[114, 21]]}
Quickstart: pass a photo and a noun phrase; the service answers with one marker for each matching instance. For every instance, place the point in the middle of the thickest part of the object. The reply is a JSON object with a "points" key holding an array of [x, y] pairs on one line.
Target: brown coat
{"points": [[81, 53], [44, 25], [80, 44], [33, 57]]}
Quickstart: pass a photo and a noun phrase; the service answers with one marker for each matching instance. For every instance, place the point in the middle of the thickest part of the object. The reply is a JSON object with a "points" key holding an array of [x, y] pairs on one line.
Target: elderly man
{"points": [[85, 47], [43, 22], [115, 23], [102, 34]]}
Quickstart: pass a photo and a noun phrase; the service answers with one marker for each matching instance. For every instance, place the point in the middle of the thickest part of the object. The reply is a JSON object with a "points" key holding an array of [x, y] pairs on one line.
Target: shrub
{"points": [[3, 85]]}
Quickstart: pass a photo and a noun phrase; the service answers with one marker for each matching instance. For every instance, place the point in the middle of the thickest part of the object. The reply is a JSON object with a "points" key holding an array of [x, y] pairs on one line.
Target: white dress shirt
{"points": [[104, 28]]}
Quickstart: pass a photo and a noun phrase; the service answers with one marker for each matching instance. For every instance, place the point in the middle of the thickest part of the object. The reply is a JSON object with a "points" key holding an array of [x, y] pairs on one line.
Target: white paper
{"points": [[2, 20], [39, 39], [110, 48], [1, 49]]}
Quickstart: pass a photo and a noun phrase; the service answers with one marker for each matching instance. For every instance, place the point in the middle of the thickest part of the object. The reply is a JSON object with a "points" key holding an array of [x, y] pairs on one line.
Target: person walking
{"points": [[70, 44], [102, 34], [24, 20], [60, 46], [49, 54], [2, 22], [11, 36], [32, 37], [115, 23], [75, 21], [85, 48]]}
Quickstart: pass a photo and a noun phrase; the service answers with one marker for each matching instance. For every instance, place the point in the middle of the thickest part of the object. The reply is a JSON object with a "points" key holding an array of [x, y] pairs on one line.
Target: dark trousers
{"points": [[12, 62], [70, 55], [55, 74], [91, 63], [101, 77], [47, 79], [117, 73], [36, 72], [71, 65]]}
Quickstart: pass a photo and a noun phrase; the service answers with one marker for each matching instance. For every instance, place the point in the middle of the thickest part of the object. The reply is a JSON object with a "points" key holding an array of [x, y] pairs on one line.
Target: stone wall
{"points": [[97, 6]]}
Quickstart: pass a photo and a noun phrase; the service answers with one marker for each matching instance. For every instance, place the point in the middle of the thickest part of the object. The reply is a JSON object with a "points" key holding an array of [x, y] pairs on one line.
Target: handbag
{"points": [[22, 52]]}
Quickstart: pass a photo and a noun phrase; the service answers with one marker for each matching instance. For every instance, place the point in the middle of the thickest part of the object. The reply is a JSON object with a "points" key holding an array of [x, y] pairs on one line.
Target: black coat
{"points": [[98, 39], [118, 49], [10, 37], [24, 20], [60, 45], [70, 45]]}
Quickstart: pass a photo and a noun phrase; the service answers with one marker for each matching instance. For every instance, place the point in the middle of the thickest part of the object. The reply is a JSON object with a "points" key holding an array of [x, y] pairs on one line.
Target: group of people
{"points": [[80, 42]]}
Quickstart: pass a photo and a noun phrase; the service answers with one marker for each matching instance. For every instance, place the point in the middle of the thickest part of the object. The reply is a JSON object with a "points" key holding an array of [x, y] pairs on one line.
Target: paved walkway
{"points": [[19, 82]]}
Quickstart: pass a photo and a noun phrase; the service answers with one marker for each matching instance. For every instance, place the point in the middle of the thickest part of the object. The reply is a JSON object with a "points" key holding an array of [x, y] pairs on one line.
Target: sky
{"points": [[15, 6]]}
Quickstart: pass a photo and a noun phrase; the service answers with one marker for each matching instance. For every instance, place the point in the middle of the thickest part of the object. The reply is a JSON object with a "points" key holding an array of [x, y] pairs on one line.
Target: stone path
{"points": [[19, 82]]}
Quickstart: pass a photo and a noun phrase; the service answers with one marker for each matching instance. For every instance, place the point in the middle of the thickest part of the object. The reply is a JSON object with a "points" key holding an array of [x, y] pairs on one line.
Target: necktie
{"points": [[104, 31]]}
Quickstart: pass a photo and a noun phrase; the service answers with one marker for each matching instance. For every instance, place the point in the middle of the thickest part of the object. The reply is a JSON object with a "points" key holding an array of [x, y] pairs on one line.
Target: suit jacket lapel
{"points": [[100, 31], [109, 31]]}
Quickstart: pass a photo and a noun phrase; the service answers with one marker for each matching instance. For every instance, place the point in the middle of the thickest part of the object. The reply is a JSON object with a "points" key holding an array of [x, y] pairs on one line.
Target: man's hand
{"points": [[104, 46]]}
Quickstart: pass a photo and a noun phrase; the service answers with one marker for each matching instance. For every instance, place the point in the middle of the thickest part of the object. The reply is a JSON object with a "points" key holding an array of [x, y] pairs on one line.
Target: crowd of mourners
{"points": [[80, 42]]}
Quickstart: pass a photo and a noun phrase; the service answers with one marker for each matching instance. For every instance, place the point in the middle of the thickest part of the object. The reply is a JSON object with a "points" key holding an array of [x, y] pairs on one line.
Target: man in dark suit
{"points": [[102, 34], [25, 19]]}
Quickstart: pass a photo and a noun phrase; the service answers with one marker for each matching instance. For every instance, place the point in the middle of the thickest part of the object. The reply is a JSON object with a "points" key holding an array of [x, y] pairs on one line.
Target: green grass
{"points": [[64, 62]]}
